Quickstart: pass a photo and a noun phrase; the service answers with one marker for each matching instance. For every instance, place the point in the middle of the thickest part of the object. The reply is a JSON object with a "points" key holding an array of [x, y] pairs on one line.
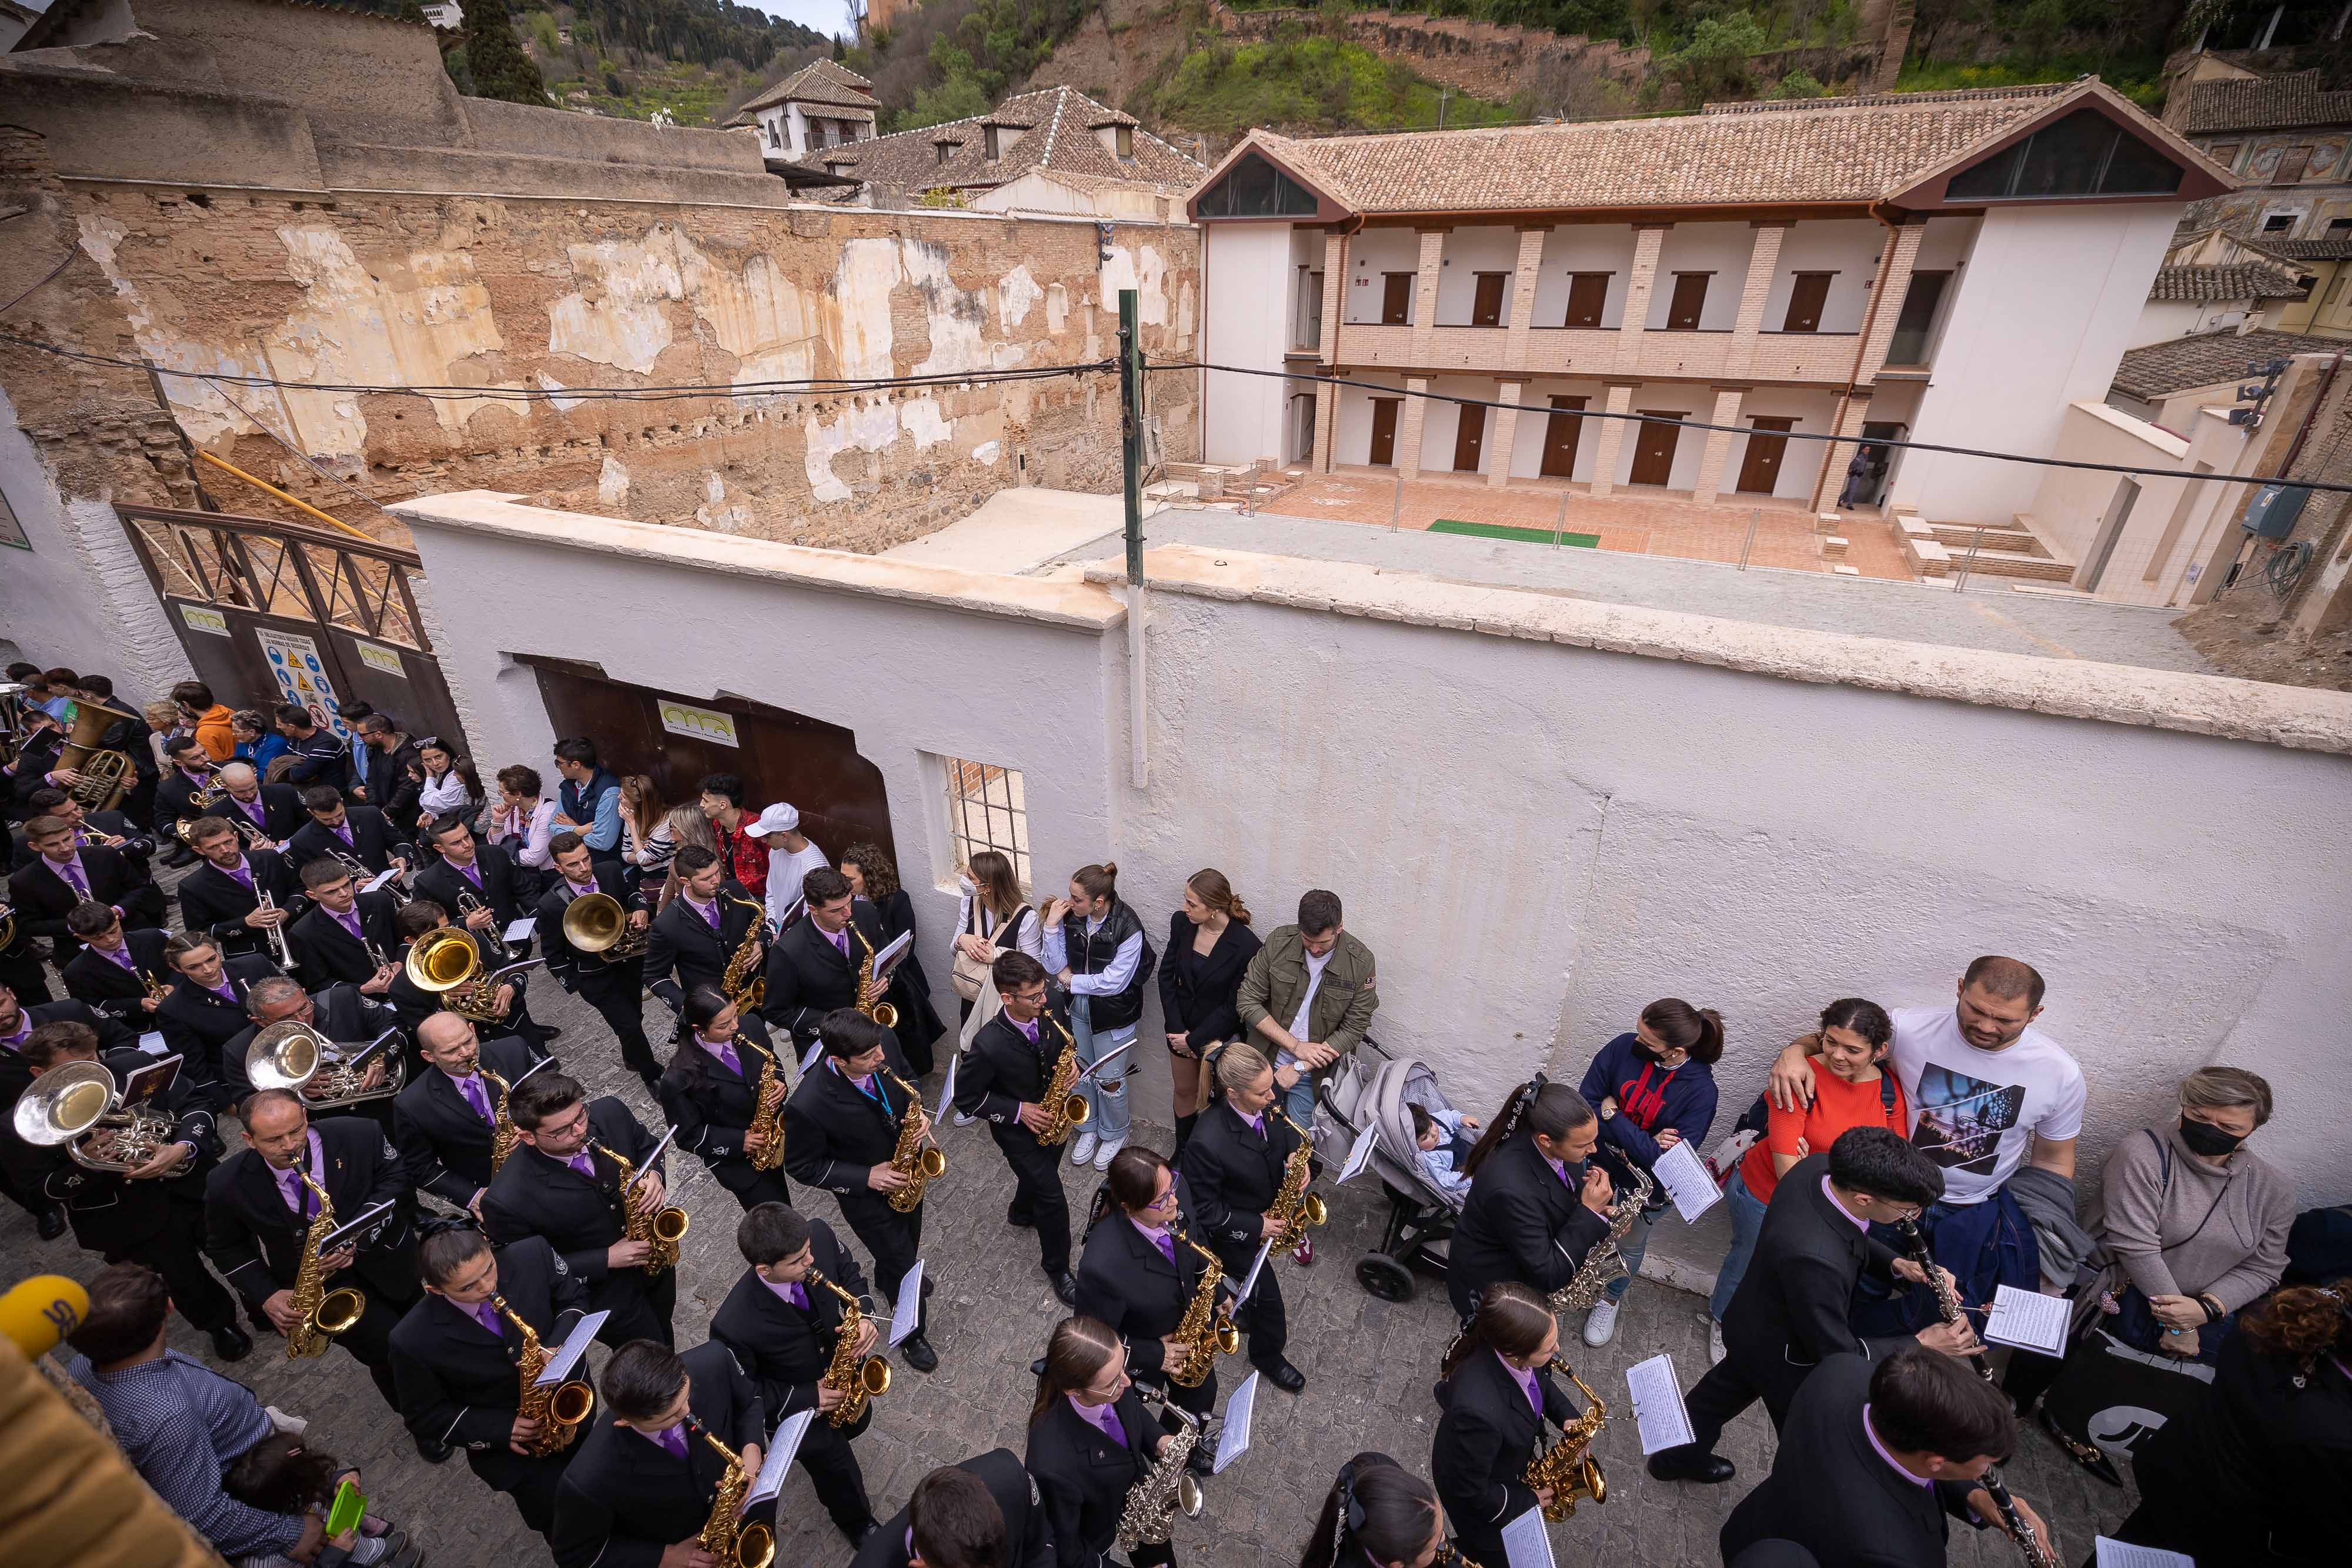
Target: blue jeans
{"points": [[1298, 1100], [1747, 1219], [1633, 1248], [1107, 1097]]}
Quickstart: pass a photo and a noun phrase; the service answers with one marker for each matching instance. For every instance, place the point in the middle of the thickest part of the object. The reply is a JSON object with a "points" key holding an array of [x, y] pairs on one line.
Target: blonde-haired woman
{"points": [[1210, 946], [1233, 1166]]}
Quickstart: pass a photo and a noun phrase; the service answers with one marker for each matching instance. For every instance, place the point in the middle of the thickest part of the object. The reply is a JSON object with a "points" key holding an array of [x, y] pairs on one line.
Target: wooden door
{"points": [[1653, 448], [1689, 302], [1810, 292], [1486, 310], [1588, 293], [1396, 298], [1566, 427], [1760, 469], [1385, 428], [1469, 439]]}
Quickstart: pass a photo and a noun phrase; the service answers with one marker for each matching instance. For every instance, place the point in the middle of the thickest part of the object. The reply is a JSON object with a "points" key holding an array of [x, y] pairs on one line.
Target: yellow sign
{"points": [[202, 620], [380, 658], [700, 724]]}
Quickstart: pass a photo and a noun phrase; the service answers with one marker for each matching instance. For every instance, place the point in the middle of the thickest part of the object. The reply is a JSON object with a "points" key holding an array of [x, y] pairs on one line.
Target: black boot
{"points": [[1184, 1125]]}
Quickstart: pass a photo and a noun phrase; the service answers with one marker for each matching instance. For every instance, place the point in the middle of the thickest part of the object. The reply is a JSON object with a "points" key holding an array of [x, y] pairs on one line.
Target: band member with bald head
{"points": [[445, 1121], [273, 810]]}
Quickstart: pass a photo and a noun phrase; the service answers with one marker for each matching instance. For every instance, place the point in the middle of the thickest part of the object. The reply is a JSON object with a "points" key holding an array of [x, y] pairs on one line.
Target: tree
{"points": [[496, 59]]}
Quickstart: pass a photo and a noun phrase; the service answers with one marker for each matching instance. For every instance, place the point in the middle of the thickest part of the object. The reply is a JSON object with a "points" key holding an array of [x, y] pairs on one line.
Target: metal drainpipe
{"points": [[1861, 349]]}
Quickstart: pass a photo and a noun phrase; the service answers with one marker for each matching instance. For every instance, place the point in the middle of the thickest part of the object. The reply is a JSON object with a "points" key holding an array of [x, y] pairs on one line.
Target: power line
{"points": [[1890, 442]]}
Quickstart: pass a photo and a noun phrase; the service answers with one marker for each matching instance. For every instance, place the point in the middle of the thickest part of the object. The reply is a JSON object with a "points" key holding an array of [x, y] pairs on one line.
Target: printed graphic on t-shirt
{"points": [[1962, 1119]]}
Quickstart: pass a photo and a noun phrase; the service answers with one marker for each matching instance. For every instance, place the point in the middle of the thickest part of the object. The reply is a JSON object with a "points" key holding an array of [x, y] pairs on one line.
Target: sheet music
{"points": [[521, 930], [1360, 1155], [367, 1053], [808, 1063], [567, 1355], [651, 1160], [1249, 1280], [151, 1083], [1658, 1407], [152, 1043], [1234, 1440], [352, 1230], [380, 881], [2030, 1321], [1525, 1543], [781, 1449], [2119, 1555], [888, 957], [906, 1310], [946, 1092], [1687, 1181], [1103, 1061]]}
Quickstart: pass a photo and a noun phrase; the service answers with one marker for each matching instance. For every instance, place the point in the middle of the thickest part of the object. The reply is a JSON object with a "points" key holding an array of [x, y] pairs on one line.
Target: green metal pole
{"points": [[1130, 428]]}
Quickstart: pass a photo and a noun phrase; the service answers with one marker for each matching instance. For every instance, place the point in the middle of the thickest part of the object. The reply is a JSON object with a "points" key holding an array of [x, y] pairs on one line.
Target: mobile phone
{"points": [[345, 1512]]}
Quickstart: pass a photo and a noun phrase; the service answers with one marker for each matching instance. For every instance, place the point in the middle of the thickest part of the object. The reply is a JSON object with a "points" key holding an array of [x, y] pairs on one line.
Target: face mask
{"points": [[2204, 1138]]}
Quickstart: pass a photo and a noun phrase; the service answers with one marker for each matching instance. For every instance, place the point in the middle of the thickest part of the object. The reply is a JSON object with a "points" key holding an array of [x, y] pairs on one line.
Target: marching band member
{"points": [[872, 877], [221, 897], [1233, 1168], [813, 966], [564, 1185], [63, 876], [639, 1491], [1089, 1438], [1138, 1279], [693, 939], [1378, 1514], [983, 1512], [274, 810], [1537, 1202], [208, 1007], [476, 882], [710, 1096], [21, 967], [111, 829], [348, 935], [444, 1120], [190, 774], [1497, 1392], [785, 1331], [338, 1013], [614, 988], [258, 1215], [453, 1356], [1097, 953], [415, 1004], [118, 972], [1003, 1078], [153, 1215], [842, 1125], [20, 1169], [360, 831]]}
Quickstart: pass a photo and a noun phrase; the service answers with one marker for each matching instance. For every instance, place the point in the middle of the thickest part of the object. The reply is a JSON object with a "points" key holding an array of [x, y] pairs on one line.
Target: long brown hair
{"points": [[994, 886], [1098, 880], [1133, 1183], [1512, 1321], [1074, 1357], [1210, 886], [881, 876], [649, 809], [1698, 1030], [1552, 1109]]}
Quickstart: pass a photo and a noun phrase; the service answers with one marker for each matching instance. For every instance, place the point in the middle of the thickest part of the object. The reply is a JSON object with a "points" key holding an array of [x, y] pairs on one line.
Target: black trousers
{"points": [[753, 1187], [832, 1465], [22, 1196], [1037, 1197], [623, 1010], [893, 1240], [531, 1482], [1726, 1389], [175, 1252], [1263, 1317], [641, 1306], [368, 1341]]}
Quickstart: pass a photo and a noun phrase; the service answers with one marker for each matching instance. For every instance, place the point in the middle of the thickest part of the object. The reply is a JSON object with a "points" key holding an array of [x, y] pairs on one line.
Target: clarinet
{"points": [[2028, 1541], [1948, 1301]]}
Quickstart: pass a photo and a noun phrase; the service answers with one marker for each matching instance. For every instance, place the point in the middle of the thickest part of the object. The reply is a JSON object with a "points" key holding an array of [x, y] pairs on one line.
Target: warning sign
{"points": [[301, 675]]}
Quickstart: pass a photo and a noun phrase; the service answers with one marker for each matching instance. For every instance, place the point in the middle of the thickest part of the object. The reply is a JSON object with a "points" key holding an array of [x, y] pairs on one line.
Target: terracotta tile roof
{"points": [[2208, 359], [2231, 280], [2264, 103], [1060, 135], [819, 81], [2327, 247]]}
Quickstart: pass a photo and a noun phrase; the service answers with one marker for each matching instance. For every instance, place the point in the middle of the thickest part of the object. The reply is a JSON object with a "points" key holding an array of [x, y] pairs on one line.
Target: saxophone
{"points": [[1064, 1106], [559, 1410], [745, 987], [503, 1135], [1602, 1264], [1149, 1512], [1208, 1329], [1568, 1467], [859, 1380], [869, 1000], [919, 1162], [724, 1534], [768, 1116], [319, 1313], [659, 1228], [1298, 1208]]}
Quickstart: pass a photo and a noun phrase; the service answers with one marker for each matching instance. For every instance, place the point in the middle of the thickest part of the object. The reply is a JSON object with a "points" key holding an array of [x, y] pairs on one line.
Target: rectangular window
{"points": [[2290, 165], [1588, 293], [2278, 223], [994, 151], [2225, 153], [1689, 302], [1122, 139], [987, 809]]}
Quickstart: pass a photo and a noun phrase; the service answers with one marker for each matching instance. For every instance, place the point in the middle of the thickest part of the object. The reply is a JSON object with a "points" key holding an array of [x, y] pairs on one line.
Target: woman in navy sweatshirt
{"points": [[1653, 1088]]}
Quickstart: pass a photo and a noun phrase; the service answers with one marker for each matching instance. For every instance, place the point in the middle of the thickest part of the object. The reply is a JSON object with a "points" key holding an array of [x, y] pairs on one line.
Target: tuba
{"points": [[1603, 1263], [1207, 1329], [559, 1410], [725, 1535], [858, 1380], [71, 1104], [594, 923], [869, 1000], [319, 1313], [1168, 1486], [1568, 1467], [1064, 1107], [290, 1055], [1300, 1207], [7, 927], [449, 963], [105, 775], [660, 1229], [745, 987], [920, 1161]]}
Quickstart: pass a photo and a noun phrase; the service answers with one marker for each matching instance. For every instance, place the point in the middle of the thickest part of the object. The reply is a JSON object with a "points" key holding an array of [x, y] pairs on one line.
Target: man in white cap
{"points": [[789, 856]]}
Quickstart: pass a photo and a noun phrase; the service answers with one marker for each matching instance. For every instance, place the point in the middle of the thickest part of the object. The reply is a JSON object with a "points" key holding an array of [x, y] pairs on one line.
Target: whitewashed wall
{"points": [[1247, 281], [1584, 247]]}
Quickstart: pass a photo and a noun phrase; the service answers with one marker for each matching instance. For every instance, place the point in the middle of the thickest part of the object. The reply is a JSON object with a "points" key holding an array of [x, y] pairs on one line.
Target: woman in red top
{"points": [[1855, 1092]]}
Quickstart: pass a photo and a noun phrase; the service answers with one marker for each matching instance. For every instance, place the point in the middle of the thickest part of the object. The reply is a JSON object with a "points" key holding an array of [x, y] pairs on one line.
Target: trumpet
{"points": [[278, 932], [467, 905], [70, 1105]]}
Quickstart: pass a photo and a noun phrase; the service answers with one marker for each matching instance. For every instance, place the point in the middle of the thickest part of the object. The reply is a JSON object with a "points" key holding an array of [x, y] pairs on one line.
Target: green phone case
{"points": [[346, 1510]]}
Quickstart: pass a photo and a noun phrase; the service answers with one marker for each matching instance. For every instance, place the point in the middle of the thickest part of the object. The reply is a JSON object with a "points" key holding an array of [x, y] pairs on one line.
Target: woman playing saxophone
{"points": [[724, 1093], [1146, 1278], [1498, 1391], [1378, 1514]]}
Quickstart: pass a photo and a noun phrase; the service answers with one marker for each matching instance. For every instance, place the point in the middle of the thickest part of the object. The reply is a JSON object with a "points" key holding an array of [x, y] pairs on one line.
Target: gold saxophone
{"points": [[724, 1534], [1064, 1106], [503, 1133], [1603, 1263], [319, 1313], [558, 1410], [768, 1115], [920, 1162], [744, 987], [1298, 1208], [1208, 1329], [1568, 1467], [659, 1228], [858, 1378], [869, 1000]]}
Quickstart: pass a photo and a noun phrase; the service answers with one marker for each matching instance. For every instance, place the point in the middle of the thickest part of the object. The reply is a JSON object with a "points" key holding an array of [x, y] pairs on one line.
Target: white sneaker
{"points": [[1103, 1153], [1082, 1149], [1714, 1342], [1600, 1323]]}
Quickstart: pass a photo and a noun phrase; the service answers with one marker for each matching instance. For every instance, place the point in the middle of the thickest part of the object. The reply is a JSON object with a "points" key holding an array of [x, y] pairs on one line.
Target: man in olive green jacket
{"points": [[1307, 999]]}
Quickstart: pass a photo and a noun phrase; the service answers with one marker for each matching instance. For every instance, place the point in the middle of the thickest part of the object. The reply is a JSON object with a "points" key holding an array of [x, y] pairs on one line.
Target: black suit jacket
{"points": [[415, 1004], [215, 902], [711, 1107], [1196, 993], [172, 804], [538, 1195], [374, 841], [26, 1162], [256, 1240], [683, 952], [1829, 1490], [1028, 1535], [200, 1025], [1083, 1476], [136, 844], [1234, 1175], [389, 787], [1483, 1442], [587, 973], [444, 1144], [784, 1349], [43, 898], [111, 1214], [456, 1385], [625, 1498], [833, 1134], [807, 975], [282, 814], [1124, 1281], [326, 953], [114, 991], [339, 1012], [1521, 1222], [442, 883], [1000, 1069]]}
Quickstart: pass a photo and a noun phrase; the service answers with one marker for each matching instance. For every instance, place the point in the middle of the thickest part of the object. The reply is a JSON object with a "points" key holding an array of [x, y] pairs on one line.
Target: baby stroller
{"points": [[1368, 1087]]}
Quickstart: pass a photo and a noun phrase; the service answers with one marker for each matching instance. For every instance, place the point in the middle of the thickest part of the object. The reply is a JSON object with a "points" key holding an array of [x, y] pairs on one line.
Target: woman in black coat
{"points": [[873, 878], [1497, 1391], [1089, 1438], [1138, 1274], [1536, 1204], [1378, 1514], [710, 1100], [1210, 946]]}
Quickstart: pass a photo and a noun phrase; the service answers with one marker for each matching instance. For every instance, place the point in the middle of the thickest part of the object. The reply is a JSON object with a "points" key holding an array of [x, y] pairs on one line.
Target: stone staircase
{"points": [[2014, 549]]}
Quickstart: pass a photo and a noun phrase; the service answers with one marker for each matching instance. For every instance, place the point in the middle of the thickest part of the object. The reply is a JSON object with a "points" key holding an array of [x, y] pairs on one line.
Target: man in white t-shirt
{"points": [[791, 857], [1988, 1092]]}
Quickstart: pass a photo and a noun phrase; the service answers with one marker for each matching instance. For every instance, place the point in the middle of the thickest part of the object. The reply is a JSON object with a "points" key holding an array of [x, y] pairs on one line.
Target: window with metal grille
{"points": [[987, 809]]}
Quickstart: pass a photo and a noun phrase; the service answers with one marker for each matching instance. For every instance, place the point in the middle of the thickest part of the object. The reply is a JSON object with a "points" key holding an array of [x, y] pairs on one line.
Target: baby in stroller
{"points": [[1419, 1143], [1444, 1139]]}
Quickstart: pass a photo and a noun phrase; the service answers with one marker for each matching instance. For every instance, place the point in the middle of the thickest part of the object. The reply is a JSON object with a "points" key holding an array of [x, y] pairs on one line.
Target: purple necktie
{"points": [[488, 1316], [471, 1088], [709, 912], [297, 1197], [224, 992], [584, 1163], [472, 873], [1257, 1124], [121, 955], [1106, 1418], [71, 871], [841, 940], [1167, 1248], [251, 807], [348, 919], [243, 873], [344, 832], [674, 1439], [578, 891], [725, 1052]]}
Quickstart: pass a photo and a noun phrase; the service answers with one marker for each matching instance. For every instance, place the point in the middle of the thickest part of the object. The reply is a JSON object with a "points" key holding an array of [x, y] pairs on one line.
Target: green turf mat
{"points": [[1503, 531]]}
